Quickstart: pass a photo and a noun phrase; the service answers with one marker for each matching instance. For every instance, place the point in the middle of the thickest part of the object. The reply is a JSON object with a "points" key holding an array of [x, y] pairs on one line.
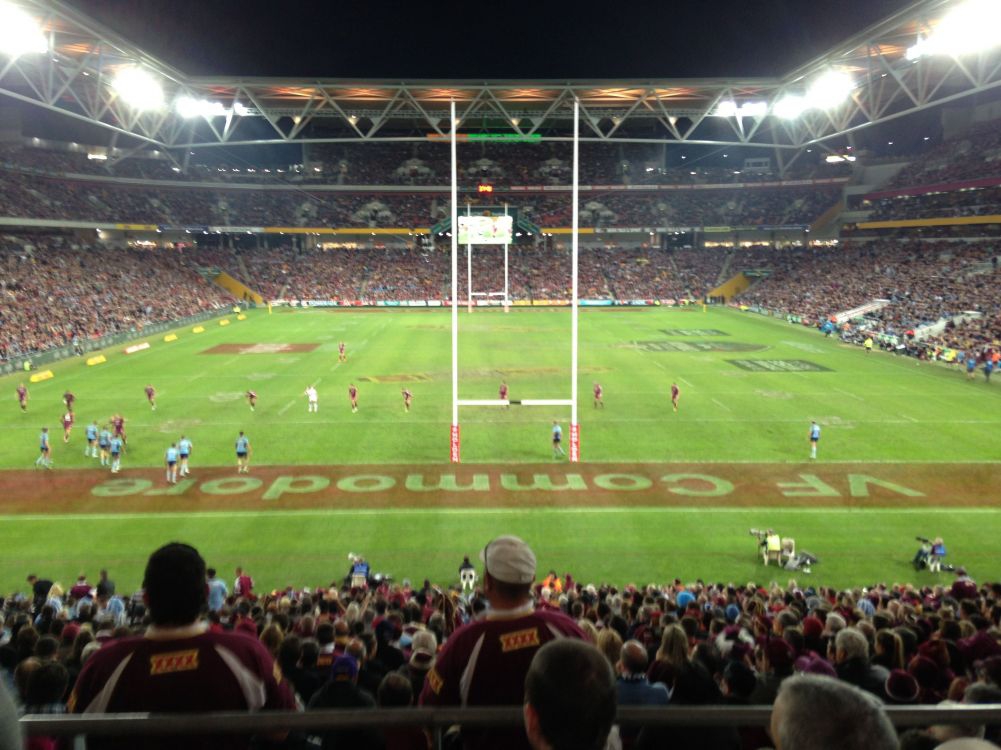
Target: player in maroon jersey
{"points": [[342, 355], [118, 424], [67, 426], [407, 398], [22, 397], [179, 665], [502, 392], [353, 395], [68, 399], [252, 400], [598, 403], [675, 393], [151, 396]]}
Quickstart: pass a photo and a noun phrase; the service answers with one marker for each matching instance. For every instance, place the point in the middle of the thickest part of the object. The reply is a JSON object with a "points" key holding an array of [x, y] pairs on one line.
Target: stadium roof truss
{"points": [[73, 78]]}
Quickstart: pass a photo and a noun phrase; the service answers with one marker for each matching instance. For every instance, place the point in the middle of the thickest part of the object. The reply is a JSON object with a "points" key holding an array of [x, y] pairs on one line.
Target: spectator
{"points": [[484, 663], [342, 691], [851, 660], [179, 665], [568, 678], [395, 692], [820, 713]]}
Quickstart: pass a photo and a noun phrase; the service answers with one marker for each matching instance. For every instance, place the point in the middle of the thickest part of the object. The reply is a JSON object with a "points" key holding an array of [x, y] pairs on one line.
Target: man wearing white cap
{"points": [[485, 662]]}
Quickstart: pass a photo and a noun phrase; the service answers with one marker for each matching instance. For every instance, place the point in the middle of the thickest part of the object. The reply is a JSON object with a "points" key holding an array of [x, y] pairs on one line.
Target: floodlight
{"points": [[829, 89], [20, 33], [753, 109], [188, 107], [239, 110], [973, 26], [790, 107], [138, 88], [726, 108]]}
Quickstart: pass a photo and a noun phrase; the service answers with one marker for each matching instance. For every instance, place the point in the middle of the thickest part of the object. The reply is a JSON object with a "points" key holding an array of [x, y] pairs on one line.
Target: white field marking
{"points": [[909, 418], [721, 405], [658, 364], [687, 384], [562, 511], [850, 395]]}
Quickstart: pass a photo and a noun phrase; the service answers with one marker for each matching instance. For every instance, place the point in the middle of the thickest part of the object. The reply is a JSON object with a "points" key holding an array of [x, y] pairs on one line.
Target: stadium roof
{"points": [[889, 70]]}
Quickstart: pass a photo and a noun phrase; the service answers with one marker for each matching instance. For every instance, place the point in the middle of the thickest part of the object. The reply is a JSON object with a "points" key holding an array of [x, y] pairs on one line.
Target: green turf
{"points": [[873, 408]]}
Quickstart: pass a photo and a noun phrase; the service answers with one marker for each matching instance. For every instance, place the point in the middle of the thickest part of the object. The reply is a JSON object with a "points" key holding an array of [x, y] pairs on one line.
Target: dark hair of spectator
{"points": [[175, 584]]}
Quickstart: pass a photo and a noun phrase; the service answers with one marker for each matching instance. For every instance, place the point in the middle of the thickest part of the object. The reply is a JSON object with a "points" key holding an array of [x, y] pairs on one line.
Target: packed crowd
{"points": [[365, 641], [53, 291], [31, 196], [976, 202], [975, 155], [924, 282]]}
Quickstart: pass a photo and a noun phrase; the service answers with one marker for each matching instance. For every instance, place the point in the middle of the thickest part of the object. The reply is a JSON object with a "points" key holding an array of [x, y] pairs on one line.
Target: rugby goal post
{"points": [[455, 442]]}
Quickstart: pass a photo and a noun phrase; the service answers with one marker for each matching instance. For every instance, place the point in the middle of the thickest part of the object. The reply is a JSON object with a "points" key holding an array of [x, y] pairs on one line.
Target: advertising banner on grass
{"points": [[595, 302]]}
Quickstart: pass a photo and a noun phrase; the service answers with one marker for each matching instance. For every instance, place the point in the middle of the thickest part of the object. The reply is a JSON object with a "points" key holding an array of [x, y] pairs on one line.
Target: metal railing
{"points": [[146, 724]]}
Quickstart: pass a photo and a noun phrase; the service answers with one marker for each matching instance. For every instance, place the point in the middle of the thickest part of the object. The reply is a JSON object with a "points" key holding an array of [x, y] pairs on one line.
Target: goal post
{"points": [[574, 436]]}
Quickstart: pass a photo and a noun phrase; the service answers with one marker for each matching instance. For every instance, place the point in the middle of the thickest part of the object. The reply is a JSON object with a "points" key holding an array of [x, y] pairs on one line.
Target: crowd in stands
{"points": [[364, 641], [48, 197], [974, 155], [924, 282], [53, 291], [976, 202]]}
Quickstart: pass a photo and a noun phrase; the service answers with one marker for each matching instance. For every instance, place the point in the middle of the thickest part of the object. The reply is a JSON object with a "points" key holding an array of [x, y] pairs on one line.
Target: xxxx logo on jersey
{"points": [[519, 639], [173, 661]]}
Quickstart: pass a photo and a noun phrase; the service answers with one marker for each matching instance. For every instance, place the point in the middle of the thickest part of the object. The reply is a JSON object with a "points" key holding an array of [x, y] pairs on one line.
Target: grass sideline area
{"points": [[749, 388]]}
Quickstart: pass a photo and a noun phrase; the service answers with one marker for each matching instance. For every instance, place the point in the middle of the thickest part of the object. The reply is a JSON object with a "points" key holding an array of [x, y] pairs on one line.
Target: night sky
{"points": [[446, 39]]}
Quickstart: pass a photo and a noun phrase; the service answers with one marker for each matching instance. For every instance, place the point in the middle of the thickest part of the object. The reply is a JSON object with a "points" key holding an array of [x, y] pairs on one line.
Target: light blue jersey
{"points": [[116, 446], [172, 454], [104, 438], [43, 441], [557, 432], [92, 432], [184, 447], [815, 432], [242, 444]]}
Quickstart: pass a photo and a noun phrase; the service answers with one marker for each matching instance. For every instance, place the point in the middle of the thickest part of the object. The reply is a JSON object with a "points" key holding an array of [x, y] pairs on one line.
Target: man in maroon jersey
{"points": [[353, 395], [22, 396], [407, 398], [151, 396], [252, 400], [502, 393], [67, 425], [598, 403], [485, 662], [341, 353], [675, 394], [68, 399], [179, 665]]}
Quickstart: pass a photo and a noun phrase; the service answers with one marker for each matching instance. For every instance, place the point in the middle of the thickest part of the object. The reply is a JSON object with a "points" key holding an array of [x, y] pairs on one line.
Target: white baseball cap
{"points": [[509, 560]]}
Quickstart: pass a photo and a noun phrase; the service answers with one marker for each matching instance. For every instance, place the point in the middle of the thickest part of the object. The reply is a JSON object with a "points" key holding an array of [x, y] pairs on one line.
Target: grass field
{"points": [[750, 387]]}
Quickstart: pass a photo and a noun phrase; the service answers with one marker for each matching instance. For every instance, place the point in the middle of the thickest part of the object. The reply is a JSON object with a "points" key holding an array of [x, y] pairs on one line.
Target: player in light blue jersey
{"points": [[115, 449], [91, 448], [242, 454], [45, 450], [814, 438], [104, 443], [557, 440], [184, 447], [171, 460]]}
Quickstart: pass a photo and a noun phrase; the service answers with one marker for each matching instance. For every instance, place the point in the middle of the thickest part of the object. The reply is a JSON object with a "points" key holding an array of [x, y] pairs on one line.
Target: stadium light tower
{"points": [[829, 89], [969, 28], [139, 88], [20, 33]]}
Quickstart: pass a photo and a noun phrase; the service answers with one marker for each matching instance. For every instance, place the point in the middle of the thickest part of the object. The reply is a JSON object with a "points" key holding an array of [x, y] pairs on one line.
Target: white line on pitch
{"points": [[689, 385], [850, 395], [909, 418], [721, 404], [562, 510]]}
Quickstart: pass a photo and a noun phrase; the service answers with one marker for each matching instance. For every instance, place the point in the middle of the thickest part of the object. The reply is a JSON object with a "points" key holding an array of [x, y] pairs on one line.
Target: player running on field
{"points": [[557, 440], [598, 393], [104, 443], [502, 391], [22, 397], [353, 395], [242, 454], [118, 425], [45, 449], [67, 426], [68, 399], [407, 398], [184, 447], [814, 438], [115, 449], [342, 355], [151, 396], [971, 365], [675, 394], [252, 400], [311, 399], [170, 458], [91, 449]]}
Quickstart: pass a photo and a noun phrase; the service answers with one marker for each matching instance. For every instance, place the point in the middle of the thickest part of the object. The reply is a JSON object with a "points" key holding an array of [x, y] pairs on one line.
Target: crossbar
{"points": [[546, 402], [484, 402]]}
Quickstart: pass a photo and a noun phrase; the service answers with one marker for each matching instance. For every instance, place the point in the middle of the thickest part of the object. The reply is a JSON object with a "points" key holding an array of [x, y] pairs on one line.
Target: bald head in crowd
{"points": [[633, 659], [569, 678], [820, 713]]}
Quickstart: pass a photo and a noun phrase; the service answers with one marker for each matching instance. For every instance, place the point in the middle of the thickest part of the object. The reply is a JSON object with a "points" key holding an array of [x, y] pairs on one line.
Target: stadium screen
{"points": [[485, 230]]}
